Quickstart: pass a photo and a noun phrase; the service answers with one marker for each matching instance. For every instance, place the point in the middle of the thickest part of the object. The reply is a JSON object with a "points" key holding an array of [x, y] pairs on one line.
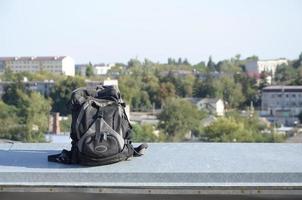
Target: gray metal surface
{"points": [[167, 168]]}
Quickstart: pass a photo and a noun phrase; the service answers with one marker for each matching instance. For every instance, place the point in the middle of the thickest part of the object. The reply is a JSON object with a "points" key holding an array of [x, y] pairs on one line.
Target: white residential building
{"points": [[55, 64], [214, 106], [102, 69], [98, 69], [113, 82], [256, 67], [281, 104]]}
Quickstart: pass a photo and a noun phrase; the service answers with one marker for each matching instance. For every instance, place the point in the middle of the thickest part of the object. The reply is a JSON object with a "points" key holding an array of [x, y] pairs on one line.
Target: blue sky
{"points": [[116, 30]]}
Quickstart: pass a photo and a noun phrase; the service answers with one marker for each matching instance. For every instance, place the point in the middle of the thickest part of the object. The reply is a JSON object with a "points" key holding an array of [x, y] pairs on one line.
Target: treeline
{"points": [[180, 121], [290, 74], [147, 85], [24, 114]]}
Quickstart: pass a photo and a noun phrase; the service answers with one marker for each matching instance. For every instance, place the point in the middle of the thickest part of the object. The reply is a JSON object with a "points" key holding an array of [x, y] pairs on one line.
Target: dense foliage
{"points": [[150, 86], [240, 129], [25, 118], [180, 117], [61, 93], [146, 133]]}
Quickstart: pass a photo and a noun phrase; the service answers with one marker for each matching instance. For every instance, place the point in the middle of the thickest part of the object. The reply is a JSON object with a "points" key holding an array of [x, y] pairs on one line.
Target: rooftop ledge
{"points": [[166, 168]]}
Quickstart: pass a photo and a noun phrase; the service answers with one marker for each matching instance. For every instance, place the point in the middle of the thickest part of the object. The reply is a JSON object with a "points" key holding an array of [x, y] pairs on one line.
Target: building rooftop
{"points": [[30, 58], [166, 168], [274, 59], [268, 60], [285, 88]]}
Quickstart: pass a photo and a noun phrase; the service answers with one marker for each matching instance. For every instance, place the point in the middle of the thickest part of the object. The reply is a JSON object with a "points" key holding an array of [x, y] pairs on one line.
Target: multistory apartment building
{"points": [[282, 104], [55, 64], [256, 67], [98, 69]]}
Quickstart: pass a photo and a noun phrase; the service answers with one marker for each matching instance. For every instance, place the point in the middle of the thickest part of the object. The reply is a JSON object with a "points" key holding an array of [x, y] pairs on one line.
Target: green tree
{"points": [[229, 66], [225, 88], [179, 62], [10, 127], [229, 91], [298, 80], [249, 89], [187, 84], [146, 133], [236, 128], [61, 93], [298, 63], [167, 90], [136, 92], [130, 88], [141, 102], [200, 67], [171, 61], [8, 75], [205, 87], [179, 117], [285, 74], [151, 86], [34, 112], [40, 75], [147, 63], [89, 70], [211, 65], [186, 62], [10, 95], [134, 62], [25, 119], [223, 130]]}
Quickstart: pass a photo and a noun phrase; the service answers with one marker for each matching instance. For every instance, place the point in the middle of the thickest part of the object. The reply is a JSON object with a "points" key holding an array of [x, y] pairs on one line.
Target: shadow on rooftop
{"points": [[30, 159]]}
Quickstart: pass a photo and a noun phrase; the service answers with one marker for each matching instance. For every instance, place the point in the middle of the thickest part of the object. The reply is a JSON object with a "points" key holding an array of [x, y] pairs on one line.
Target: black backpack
{"points": [[100, 129]]}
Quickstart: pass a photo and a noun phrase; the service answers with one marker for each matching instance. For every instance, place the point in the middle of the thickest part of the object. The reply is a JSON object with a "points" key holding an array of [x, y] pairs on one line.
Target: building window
{"points": [[279, 95], [293, 95], [286, 95]]}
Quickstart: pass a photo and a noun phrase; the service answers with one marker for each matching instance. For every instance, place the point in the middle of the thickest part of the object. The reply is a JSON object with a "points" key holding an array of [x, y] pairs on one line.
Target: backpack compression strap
{"points": [[89, 102]]}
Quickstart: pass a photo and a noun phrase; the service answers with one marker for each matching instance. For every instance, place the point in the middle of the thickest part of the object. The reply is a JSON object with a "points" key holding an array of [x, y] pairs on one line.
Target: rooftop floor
{"points": [[193, 168]]}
